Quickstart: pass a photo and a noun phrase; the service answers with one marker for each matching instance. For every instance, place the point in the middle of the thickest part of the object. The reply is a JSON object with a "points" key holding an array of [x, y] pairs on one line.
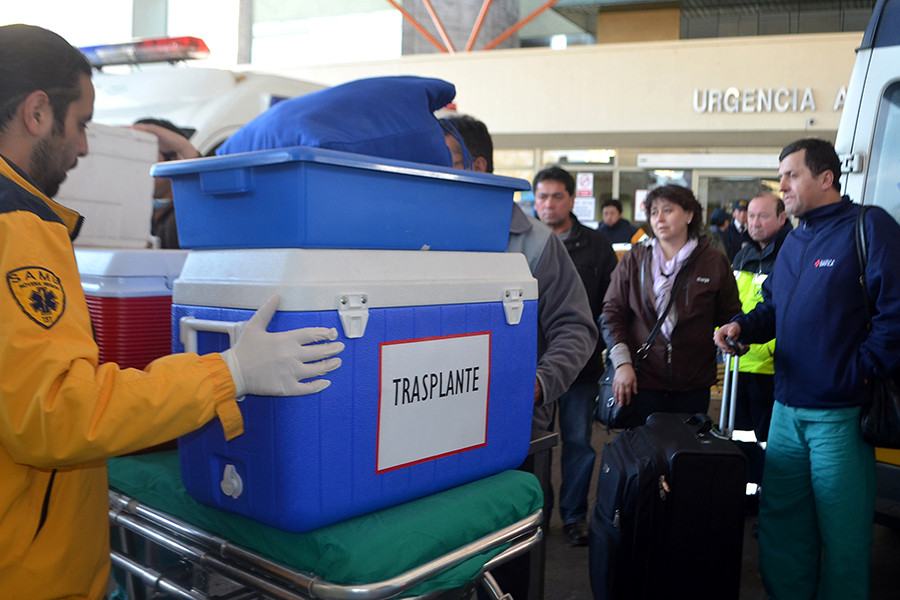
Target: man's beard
{"points": [[45, 169]]}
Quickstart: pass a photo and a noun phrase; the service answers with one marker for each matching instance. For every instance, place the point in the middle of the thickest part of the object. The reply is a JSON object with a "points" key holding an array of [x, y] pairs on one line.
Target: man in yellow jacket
{"points": [[752, 265], [62, 414]]}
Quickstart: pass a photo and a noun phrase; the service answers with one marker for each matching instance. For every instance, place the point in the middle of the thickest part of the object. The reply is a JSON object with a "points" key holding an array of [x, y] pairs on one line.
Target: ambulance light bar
{"points": [[166, 49]]}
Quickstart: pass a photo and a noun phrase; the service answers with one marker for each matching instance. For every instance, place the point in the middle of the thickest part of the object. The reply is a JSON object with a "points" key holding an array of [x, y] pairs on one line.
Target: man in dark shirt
{"points": [[592, 253], [613, 226]]}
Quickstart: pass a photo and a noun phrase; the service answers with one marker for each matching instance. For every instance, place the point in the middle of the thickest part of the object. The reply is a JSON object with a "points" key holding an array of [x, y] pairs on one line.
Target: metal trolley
{"points": [[245, 574]]}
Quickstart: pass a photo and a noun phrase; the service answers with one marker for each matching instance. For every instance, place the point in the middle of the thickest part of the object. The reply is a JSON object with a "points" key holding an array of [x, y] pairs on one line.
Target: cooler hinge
{"points": [[354, 314], [513, 305]]}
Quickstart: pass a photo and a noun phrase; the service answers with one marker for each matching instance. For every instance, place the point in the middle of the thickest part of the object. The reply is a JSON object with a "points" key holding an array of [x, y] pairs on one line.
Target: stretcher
{"points": [[167, 543]]}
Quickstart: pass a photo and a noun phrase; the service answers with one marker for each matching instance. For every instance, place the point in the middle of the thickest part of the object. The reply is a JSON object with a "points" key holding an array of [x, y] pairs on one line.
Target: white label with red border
{"points": [[433, 398]]}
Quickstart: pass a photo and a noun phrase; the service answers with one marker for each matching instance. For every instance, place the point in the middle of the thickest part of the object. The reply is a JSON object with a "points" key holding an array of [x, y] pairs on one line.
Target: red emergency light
{"points": [[166, 49]]}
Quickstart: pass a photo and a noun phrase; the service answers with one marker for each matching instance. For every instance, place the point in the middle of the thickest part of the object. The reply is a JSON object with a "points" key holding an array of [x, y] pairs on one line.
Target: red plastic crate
{"points": [[132, 332]]}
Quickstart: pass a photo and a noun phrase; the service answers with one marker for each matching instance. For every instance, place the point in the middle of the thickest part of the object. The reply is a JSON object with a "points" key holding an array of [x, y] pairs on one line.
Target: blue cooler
{"points": [[315, 198], [436, 388]]}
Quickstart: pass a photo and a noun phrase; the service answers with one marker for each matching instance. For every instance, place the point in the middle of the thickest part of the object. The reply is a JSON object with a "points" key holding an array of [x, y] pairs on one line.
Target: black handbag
{"points": [[607, 410], [880, 420]]}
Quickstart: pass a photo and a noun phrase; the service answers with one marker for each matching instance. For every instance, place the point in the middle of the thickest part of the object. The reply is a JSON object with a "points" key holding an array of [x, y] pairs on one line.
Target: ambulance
{"points": [[157, 78], [867, 142]]}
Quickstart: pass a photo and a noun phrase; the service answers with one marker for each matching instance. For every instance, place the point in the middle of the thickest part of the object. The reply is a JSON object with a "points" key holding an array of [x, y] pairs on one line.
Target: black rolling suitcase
{"points": [[669, 516]]}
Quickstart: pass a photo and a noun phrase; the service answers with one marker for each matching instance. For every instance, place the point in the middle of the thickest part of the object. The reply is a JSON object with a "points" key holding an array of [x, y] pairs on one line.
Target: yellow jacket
{"points": [[62, 415]]}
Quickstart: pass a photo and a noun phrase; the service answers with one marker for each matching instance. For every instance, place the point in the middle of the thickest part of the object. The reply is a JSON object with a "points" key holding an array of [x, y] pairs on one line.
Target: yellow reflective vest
{"points": [[759, 358], [62, 415]]}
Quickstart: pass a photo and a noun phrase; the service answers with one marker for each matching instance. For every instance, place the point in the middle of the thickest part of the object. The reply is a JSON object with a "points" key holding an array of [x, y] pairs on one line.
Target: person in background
{"points": [[815, 514], [737, 230], [567, 334], [752, 266], [719, 222], [173, 145], [592, 253], [617, 229], [61, 413], [756, 380], [680, 367]]}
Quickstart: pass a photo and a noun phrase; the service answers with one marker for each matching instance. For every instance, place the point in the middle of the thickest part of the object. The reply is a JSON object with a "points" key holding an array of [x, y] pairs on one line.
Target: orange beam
{"points": [[416, 24], [476, 29], [440, 27], [499, 40]]}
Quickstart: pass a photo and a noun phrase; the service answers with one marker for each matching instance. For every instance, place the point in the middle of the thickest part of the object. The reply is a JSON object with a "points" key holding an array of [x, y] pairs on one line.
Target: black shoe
{"points": [[576, 533]]}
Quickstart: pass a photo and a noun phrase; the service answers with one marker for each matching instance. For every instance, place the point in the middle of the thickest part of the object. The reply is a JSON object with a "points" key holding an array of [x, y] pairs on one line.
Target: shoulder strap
{"points": [[644, 350], [862, 255]]}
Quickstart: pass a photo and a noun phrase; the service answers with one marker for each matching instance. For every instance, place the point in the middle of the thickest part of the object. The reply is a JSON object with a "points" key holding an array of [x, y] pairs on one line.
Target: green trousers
{"points": [[816, 508]]}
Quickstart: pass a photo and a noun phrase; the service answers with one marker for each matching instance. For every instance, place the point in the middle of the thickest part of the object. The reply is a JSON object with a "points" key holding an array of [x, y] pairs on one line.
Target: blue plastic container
{"points": [[313, 198], [436, 387]]}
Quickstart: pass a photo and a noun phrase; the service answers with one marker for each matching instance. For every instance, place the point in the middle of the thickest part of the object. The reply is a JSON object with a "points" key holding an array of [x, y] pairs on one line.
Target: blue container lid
{"points": [[263, 158]]}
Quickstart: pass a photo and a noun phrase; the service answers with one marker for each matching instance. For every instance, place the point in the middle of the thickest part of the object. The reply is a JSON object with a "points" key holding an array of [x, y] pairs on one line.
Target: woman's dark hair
{"points": [[681, 196], [32, 59]]}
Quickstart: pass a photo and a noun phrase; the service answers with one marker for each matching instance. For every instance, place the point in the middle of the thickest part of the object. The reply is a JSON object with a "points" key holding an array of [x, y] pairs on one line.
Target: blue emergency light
{"points": [[165, 49]]}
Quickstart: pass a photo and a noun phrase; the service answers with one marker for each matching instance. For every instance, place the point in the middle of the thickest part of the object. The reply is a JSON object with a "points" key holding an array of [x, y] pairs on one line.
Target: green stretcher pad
{"points": [[363, 550]]}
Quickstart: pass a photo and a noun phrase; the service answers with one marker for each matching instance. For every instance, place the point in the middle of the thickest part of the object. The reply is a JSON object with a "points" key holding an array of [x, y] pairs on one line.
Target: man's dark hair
{"points": [[32, 59], [555, 174], [681, 196], [820, 157], [612, 202], [475, 137], [166, 125]]}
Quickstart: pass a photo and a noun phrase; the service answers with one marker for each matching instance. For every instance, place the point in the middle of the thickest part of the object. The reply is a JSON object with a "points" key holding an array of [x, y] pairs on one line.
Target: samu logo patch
{"points": [[39, 293]]}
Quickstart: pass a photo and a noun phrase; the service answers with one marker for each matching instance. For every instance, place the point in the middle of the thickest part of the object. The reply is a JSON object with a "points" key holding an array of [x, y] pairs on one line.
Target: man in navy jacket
{"points": [[819, 481]]}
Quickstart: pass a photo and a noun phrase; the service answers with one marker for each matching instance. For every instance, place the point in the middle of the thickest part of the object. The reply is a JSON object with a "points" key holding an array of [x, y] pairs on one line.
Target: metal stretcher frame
{"points": [[268, 577]]}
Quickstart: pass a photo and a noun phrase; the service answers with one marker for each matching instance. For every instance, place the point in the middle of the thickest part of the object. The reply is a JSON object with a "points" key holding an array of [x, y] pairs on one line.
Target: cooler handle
{"points": [[190, 326]]}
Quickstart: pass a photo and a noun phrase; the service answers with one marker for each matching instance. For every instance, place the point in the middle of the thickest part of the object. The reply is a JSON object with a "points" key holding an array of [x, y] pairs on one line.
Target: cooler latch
{"points": [[354, 313], [513, 305], [853, 163]]}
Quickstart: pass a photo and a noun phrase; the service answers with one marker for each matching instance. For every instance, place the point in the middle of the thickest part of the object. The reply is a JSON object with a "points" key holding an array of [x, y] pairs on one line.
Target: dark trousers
{"points": [[755, 398]]}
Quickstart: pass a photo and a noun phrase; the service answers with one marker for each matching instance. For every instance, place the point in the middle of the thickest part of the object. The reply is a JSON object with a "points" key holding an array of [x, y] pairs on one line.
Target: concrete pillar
{"points": [[149, 18], [245, 32], [458, 18]]}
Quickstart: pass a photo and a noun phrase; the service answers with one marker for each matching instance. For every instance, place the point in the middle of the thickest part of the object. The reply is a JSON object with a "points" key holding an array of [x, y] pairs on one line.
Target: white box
{"points": [[112, 188]]}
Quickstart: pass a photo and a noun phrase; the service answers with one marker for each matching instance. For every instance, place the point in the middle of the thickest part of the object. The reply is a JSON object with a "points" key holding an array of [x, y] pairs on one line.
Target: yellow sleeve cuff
{"points": [[223, 396]]}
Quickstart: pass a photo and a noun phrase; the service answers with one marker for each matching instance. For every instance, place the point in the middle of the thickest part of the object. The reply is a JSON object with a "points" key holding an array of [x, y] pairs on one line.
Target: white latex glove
{"points": [[272, 364]]}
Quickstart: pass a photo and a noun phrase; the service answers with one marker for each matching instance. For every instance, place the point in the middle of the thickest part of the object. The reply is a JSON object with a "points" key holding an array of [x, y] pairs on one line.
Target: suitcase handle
{"points": [[701, 422], [727, 414]]}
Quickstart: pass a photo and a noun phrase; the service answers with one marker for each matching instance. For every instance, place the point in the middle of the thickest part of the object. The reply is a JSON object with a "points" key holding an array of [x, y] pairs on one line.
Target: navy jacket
{"points": [[813, 301]]}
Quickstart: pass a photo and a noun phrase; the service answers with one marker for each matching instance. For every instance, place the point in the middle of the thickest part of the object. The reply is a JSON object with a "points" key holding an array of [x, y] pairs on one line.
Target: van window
{"points": [[884, 172]]}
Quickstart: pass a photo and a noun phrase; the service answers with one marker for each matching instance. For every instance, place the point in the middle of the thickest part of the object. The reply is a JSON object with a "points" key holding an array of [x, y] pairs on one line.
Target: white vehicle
{"points": [[134, 81], [867, 141]]}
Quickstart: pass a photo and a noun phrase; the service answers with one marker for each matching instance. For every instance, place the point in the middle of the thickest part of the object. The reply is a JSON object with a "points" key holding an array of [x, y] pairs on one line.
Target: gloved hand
{"points": [[272, 364]]}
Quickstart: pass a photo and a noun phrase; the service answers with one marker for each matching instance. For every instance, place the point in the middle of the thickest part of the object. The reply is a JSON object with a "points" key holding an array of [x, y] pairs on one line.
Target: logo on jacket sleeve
{"points": [[824, 262], [39, 293]]}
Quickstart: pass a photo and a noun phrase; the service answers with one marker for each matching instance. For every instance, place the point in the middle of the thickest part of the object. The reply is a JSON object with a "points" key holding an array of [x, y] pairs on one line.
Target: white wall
{"points": [[632, 94]]}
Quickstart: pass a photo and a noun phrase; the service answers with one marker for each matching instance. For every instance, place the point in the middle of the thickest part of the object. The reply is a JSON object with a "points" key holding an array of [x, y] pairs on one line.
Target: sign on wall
{"points": [[761, 100]]}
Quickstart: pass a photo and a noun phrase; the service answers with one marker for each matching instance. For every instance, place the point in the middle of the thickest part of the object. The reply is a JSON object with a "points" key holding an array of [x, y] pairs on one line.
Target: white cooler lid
{"points": [[318, 279], [129, 273]]}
